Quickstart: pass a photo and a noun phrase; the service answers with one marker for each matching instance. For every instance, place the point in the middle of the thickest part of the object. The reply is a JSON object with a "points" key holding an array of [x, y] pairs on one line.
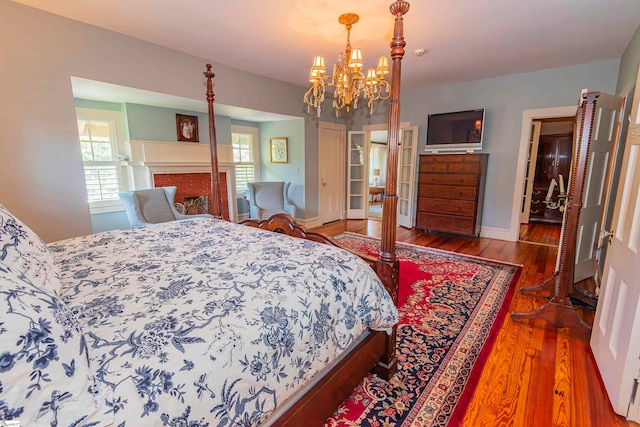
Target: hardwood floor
{"points": [[543, 234], [537, 375]]}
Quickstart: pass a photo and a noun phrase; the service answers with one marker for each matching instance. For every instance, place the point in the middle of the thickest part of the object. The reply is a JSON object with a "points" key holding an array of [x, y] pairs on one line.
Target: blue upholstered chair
{"points": [[269, 198], [152, 206]]}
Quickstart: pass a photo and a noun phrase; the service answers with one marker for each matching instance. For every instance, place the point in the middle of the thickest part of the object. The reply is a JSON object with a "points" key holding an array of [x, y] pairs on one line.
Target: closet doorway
{"points": [[362, 173], [548, 168]]}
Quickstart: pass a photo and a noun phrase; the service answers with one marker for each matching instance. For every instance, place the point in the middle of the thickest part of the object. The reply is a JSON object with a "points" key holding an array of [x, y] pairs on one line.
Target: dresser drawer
{"points": [[445, 223], [447, 191], [450, 158], [457, 207], [464, 167], [446, 179], [433, 167]]}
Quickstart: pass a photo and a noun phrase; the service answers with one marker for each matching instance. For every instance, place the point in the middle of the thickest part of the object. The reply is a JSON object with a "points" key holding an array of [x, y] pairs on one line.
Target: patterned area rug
{"points": [[451, 307]]}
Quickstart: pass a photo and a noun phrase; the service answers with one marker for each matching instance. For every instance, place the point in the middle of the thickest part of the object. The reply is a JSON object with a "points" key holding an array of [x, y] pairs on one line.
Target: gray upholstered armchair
{"points": [[152, 206], [269, 198]]}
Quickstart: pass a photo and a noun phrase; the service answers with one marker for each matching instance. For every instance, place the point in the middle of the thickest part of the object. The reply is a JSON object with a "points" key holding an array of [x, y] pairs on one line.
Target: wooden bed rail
{"points": [[285, 224]]}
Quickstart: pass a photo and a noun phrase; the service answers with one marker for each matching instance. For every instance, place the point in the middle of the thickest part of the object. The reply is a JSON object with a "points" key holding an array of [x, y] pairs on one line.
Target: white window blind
{"points": [[100, 158], [244, 156], [244, 173]]}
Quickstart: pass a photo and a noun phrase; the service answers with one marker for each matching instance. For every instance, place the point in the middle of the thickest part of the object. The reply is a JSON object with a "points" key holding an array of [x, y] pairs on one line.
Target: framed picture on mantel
{"points": [[279, 152], [187, 128]]}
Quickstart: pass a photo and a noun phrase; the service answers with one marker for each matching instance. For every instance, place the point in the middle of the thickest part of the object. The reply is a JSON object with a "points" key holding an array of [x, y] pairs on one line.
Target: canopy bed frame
{"points": [[377, 352]]}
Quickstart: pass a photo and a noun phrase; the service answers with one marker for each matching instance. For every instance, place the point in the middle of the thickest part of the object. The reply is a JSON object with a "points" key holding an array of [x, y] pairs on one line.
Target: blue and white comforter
{"points": [[205, 322]]}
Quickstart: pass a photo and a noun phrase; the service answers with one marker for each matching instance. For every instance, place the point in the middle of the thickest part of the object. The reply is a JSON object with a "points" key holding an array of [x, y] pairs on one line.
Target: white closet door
{"points": [[615, 336], [532, 158], [406, 175], [358, 176]]}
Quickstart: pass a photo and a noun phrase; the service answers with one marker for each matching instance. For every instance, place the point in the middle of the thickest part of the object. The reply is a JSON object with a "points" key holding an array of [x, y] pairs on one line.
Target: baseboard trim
{"points": [[309, 223], [497, 233]]}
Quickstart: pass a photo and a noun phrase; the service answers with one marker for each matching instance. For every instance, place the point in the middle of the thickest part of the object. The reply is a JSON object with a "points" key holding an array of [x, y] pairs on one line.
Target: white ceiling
{"points": [[465, 40]]}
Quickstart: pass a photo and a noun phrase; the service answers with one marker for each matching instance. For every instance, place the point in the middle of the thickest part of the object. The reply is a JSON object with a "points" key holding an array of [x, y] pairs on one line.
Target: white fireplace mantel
{"points": [[155, 157], [175, 153]]}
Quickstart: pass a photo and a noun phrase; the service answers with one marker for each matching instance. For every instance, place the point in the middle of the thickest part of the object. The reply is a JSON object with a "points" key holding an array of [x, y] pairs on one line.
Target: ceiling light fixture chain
{"points": [[348, 80]]}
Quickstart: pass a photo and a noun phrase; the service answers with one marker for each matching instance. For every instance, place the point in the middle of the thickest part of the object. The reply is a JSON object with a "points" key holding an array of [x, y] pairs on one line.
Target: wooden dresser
{"points": [[451, 192]]}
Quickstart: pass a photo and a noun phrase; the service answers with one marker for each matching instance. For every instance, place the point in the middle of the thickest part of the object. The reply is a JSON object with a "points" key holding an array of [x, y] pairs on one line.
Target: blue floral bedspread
{"points": [[206, 322]]}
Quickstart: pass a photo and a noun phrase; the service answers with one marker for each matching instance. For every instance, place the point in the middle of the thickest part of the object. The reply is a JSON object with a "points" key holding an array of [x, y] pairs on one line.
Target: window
{"points": [[100, 156], [244, 141]]}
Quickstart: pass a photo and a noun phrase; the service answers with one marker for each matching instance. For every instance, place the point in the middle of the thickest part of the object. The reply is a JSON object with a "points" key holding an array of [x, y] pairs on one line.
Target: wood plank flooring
{"points": [[542, 234], [537, 375]]}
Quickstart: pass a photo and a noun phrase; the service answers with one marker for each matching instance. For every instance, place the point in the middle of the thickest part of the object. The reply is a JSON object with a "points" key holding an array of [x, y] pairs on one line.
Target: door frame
{"points": [[367, 129], [528, 116], [532, 160], [338, 169]]}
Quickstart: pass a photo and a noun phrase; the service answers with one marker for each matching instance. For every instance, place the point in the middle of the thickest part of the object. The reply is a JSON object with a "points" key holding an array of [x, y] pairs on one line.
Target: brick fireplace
{"points": [[194, 185], [185, 165]]}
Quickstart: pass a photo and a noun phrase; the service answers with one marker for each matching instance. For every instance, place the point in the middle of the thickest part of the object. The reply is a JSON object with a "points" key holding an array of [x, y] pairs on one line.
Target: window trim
{"points": [[121, 148], [255, 152]]}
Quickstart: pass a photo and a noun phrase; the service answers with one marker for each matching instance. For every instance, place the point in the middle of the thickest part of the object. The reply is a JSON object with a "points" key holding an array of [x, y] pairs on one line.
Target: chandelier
{"points": [[348, 80]]}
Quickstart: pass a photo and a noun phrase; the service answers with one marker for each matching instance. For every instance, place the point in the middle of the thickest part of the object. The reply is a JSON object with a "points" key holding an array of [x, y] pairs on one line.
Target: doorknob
{"points": [[608, 235]]}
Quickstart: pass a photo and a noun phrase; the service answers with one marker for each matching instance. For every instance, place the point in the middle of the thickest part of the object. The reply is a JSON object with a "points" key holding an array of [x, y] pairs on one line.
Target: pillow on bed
{"points": [[45, 377], [23, 250]]}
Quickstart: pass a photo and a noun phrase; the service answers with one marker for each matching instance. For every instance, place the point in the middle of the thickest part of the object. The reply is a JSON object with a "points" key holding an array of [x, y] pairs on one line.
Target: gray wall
{"points": [[41, 167], [98, 105], [629, 64], [504, 100], [294, 170], [149, 123]]}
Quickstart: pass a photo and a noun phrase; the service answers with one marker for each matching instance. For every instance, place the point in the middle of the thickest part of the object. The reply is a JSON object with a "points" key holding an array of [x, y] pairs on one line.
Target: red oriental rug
{"points": [[451, 307]]}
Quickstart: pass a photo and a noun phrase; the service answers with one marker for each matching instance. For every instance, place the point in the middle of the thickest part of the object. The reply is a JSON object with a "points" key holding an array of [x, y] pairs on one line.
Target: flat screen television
{"points": [[455, 131]]}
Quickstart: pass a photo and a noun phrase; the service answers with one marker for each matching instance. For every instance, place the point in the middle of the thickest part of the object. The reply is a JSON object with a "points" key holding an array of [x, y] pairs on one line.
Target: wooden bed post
{"points": [[388, 266], [216, 197]]}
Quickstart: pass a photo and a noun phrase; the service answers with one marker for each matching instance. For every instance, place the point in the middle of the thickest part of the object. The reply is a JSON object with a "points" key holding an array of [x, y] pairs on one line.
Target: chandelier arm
{"points": [[347, 79]]}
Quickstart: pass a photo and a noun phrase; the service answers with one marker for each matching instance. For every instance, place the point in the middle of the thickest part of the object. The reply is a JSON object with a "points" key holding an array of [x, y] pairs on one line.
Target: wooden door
{"points": [[616, 330], [564, 150], [551, 177], [603, 138], [331, 167]]}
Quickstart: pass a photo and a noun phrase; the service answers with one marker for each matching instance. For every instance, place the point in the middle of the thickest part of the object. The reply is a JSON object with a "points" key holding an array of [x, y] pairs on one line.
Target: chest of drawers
{"points": [[451, 192]]}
